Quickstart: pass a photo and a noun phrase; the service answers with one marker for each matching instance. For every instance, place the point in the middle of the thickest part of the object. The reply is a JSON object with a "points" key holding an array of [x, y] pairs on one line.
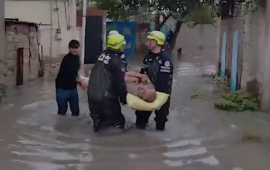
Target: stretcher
{"points": [[133, 101], [138, 104]]}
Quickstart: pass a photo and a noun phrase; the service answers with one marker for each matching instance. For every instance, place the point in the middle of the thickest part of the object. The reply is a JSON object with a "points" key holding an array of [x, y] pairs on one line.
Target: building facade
{"points": [[57, 21]]}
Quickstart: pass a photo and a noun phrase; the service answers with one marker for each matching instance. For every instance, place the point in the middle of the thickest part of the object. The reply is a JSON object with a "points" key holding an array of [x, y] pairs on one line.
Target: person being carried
{"points": [[140, 86], [137, 84]]}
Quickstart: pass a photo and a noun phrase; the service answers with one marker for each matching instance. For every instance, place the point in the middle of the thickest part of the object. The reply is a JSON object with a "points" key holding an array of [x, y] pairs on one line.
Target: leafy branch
{"points": [[250, 6]]}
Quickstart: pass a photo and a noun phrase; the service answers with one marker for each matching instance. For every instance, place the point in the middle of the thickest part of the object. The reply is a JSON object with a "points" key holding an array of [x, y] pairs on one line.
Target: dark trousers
{"points": [[106, 112], [142, 117], [65, 97]]}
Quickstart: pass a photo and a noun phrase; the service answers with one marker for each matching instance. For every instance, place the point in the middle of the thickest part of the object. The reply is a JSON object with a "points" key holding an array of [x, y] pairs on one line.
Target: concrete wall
{"points": [[40, 12], [199, 40], [2, 41], [256, 59], [254, 50], [253, 53]]}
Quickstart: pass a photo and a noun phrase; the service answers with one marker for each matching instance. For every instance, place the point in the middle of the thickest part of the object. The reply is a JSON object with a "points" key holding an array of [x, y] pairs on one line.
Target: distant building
{"points": [[57, 19]]}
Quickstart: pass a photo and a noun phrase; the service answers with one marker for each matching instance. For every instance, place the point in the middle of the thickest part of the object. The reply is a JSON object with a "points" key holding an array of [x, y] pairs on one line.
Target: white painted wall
{"points": [[40, 12]]}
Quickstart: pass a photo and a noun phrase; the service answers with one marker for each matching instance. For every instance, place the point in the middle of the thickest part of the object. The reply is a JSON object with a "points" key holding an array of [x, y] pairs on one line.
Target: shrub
{"points": [[237, 101]]}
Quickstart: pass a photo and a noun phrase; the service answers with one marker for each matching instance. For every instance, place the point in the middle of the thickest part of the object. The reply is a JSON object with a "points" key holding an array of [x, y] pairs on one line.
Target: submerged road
{"points": [[198, 137]]}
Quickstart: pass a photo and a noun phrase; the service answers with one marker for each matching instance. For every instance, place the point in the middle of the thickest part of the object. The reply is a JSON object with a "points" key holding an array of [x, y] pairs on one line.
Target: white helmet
{"points": [[113, 32]]}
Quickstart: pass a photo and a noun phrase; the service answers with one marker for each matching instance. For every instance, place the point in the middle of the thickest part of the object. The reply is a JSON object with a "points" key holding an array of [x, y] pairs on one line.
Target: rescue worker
{"points": [[169, 39], [158, 67], [107, 86], [66, 84], [121, 53]]}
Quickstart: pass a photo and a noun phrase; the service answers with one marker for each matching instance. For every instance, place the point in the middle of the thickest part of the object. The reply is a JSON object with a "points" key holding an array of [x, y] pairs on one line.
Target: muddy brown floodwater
{"points": [[198, 137]]}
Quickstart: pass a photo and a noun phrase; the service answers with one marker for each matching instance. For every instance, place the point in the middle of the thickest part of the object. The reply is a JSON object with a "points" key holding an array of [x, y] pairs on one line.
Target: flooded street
{"points": [[197, 137]]}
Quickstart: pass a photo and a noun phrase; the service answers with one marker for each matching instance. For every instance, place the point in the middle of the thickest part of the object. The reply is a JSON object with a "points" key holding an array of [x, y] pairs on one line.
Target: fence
{"points": [[231, 51]]}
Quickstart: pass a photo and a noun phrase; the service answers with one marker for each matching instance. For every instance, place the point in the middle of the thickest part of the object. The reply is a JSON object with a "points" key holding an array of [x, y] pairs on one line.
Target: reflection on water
{"points": [[43, 140], [195, 65], [190, 69], [187, 66], [57, 146]]}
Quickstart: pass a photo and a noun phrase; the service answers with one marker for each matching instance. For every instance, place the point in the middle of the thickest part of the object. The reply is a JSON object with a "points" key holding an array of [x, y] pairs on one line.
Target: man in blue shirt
{"points": [[159, 68]]}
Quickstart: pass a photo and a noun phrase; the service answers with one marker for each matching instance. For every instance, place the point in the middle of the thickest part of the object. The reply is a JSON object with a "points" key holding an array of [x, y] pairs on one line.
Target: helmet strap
{"points": [[156, 49], [108, 48]]}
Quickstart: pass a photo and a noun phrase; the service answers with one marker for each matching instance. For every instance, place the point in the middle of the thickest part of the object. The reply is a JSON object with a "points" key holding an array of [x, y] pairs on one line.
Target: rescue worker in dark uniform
{"points": [[107, 86], [158, 67], [123, 57]]}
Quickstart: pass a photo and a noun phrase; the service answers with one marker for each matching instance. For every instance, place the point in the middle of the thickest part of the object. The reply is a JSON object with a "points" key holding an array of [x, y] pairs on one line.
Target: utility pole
{"points": [[3, 66], [51, 33], [84, 15]]}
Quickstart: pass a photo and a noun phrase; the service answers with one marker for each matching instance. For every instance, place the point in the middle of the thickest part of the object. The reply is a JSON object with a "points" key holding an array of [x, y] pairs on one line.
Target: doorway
{"points": [[19, 77], [93, 38]]}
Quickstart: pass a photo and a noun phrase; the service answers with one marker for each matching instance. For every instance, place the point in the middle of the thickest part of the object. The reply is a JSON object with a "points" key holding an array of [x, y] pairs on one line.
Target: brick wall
{"points": [[27, 41]]}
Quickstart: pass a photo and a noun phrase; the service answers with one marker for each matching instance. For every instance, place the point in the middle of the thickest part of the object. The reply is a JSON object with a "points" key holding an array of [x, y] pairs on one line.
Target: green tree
{"points": [[193, 12], [120, 9]]}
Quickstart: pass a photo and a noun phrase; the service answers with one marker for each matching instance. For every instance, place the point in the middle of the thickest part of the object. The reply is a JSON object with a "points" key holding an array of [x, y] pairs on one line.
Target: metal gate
{"points": [[93, 38], [223, 55], [233, 80], [128, 29]]}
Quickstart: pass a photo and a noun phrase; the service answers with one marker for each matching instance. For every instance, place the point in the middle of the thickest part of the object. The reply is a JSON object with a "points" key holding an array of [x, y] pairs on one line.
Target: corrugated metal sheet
{"points": [[35, 0], [16, 20]]}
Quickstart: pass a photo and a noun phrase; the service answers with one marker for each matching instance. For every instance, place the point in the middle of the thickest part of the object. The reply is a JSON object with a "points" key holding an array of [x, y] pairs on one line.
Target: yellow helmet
{"points": [[113, 32], [116, 41], [158, 36]]}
